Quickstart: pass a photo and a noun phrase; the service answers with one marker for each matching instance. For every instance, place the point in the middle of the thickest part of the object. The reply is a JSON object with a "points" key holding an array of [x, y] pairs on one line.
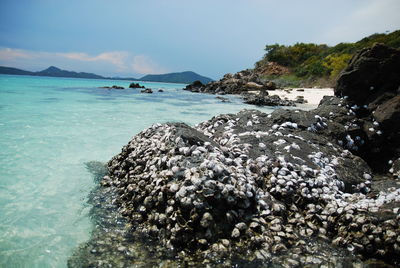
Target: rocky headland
{"points": [[291, 188], [248, 83]]}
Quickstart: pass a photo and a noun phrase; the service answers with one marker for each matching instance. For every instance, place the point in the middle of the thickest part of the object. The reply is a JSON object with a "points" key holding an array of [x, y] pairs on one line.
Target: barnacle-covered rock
{"points": [[252, 186]]}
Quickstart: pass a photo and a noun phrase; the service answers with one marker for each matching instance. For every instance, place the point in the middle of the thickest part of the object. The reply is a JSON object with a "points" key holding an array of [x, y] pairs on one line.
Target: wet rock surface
{"points": [[266, 189]]}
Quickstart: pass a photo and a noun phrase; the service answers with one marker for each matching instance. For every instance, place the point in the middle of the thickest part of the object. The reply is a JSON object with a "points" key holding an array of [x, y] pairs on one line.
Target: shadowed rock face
{"points": [[371, 83], [371, 73]]}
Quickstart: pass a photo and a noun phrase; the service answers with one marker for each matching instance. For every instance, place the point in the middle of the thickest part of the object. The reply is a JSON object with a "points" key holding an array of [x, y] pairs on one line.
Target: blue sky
{"points": [[210, 37]]}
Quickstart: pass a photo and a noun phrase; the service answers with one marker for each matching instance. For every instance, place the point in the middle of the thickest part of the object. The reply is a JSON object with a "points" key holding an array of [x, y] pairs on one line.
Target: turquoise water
{"points": [[49, 127]]}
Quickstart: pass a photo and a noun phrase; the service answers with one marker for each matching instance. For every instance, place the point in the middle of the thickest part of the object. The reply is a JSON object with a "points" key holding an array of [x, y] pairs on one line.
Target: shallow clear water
{"points": [[49, 127]]}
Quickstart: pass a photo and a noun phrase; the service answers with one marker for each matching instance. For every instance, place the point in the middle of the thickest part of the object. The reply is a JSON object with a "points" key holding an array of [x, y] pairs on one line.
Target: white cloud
{"points": [[376, 16], [111, 61], [117, 58], [7, 54], [144, 65]]}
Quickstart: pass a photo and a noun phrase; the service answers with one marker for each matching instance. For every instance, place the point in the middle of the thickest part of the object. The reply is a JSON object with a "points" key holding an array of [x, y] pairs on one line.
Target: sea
{"points": [[49, 128]]}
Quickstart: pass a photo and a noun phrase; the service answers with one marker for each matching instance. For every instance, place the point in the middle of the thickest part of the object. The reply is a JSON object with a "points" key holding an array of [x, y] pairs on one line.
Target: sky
{"points": [[131, 38]]}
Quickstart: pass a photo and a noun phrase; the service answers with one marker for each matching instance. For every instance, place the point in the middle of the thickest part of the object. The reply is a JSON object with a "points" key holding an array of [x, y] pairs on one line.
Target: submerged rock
{"points": [[147, 90], [113, 87]]}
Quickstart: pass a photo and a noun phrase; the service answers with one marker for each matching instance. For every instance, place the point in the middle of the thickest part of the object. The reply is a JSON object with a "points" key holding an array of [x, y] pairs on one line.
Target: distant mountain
{"points": [[10, 70], [56, 72], [51, 71], [183, 77]]}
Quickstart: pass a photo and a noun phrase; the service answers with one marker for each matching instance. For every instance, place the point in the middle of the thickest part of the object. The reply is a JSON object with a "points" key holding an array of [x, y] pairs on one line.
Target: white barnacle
{"points": [[279, 142], [295, 146]]}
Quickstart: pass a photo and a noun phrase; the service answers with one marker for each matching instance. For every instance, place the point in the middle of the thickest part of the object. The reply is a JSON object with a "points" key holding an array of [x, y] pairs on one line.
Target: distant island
{"points": [[182, 77]]}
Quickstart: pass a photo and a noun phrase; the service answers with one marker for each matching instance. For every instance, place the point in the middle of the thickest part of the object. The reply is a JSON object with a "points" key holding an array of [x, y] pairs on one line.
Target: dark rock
{"points": [[238, 181], [270, 85], [222, 99], [253, 184], [147, 90], [113, 87], [300, 100], [135, 85], [238, 83], [160, 90], [266, 100], [388, 115], [371, 82], [195, 86], [395, 168], [371, 72]]}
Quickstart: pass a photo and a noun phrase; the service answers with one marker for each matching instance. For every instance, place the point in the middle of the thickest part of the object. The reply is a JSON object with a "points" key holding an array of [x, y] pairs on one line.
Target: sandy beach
{"points": [[312, 95]]}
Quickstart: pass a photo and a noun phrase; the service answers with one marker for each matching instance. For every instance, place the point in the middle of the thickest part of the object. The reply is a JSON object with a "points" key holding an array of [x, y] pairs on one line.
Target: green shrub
{"points": [[309, 62]]}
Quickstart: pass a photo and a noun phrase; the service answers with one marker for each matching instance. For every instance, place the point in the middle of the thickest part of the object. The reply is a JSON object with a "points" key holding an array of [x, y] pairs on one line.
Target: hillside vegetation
{"points": [[315, 64]]}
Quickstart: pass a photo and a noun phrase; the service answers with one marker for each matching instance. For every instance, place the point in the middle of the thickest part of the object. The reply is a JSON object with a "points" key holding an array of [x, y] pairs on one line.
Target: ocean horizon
{"points": [[49, 128]]}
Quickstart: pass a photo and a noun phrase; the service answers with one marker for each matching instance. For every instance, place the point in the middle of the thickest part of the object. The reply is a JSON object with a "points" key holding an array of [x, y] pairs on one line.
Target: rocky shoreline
{"points": [[291, 188], [246, 83]]}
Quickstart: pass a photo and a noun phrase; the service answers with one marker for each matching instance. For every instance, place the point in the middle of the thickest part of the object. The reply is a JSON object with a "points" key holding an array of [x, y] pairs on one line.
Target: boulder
{"points": [[388, 115], [240, 183], [135, 85], [243, 81], [266, 100], [269, 85], [371, 83], [147, 90], [370, 73], [254, 86], [195, 86]]}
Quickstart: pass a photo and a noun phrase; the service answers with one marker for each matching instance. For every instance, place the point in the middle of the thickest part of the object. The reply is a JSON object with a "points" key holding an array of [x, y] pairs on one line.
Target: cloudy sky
{"points": [[210, 37]]}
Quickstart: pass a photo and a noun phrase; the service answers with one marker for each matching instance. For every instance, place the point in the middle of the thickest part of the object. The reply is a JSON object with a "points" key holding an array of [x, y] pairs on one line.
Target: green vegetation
{"points": [[310, 63]]}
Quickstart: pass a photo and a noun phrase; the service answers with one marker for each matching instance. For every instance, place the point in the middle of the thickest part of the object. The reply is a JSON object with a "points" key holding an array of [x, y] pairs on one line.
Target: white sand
{"points": [[312, 95]]}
